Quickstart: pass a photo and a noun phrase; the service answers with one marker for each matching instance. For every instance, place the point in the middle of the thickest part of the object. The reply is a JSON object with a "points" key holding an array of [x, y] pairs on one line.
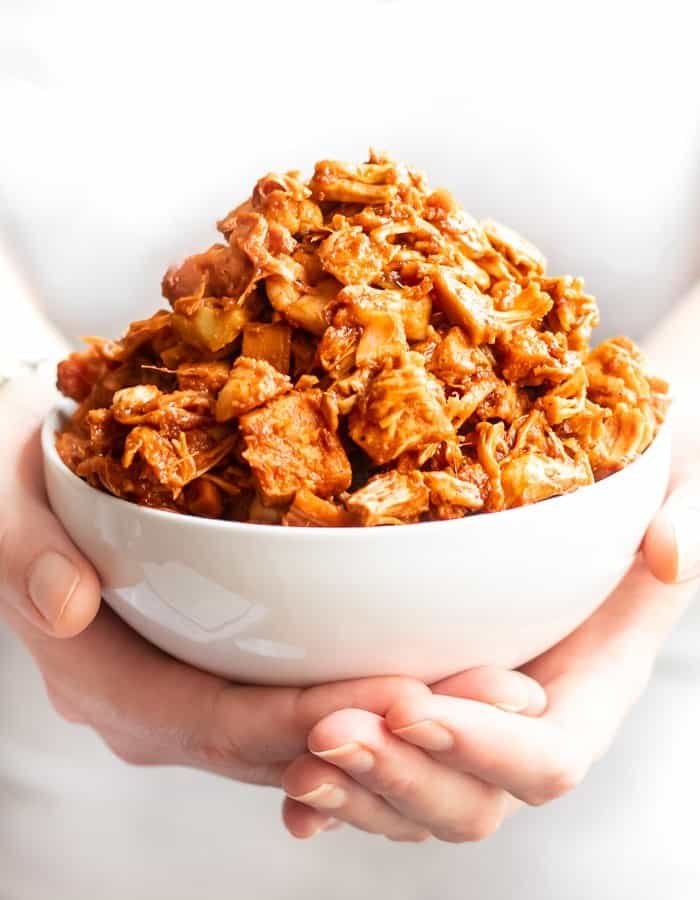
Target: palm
{"points": [[151, 709]]}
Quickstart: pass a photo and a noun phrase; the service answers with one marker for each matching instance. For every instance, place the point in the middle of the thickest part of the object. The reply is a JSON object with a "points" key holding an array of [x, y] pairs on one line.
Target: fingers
{"points": [[43, 576], [325, 791], [148, 706], [672, 543], [532, 759], [503, 688], [303, 821], [452, 806], [272, 723]]}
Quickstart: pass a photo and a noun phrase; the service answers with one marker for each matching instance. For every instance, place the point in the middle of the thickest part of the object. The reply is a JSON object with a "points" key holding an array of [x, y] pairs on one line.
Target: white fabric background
{"points": [[125, 131]]}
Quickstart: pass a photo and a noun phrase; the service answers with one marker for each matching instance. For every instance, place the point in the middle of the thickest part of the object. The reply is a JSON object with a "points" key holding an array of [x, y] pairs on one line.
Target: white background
{"points": [[129, 128], [126, 129]]}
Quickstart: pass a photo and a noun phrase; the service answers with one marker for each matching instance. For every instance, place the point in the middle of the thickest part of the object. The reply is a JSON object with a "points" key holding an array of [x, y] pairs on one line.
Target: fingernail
{"points": [[511, 707], [51, 582], [521, 692], [350, 757], [686, 527], [325, 796], [427, 734]]}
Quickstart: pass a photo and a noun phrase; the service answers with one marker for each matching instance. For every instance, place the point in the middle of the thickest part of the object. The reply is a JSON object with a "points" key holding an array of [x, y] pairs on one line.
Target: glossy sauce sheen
{"points": [[360, 351]]}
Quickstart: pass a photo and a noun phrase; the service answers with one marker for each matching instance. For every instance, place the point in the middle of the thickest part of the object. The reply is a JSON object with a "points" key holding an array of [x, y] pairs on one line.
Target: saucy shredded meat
{"points": [[358, 350]]}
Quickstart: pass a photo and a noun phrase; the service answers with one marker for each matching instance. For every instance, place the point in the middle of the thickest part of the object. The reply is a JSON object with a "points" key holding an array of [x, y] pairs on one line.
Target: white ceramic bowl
{"points": [[299, 606]]}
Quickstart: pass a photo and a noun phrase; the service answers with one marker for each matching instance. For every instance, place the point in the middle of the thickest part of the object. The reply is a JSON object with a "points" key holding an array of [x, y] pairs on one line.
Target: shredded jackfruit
{"points": [[358, 350]]}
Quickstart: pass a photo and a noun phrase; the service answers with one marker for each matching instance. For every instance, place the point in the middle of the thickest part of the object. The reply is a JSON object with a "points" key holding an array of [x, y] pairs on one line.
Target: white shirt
{"points": [[126, 131]]}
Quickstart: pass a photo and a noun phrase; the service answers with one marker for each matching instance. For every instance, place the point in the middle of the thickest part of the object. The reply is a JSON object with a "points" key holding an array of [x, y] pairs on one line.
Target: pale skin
{"points": [[386, 755], [459, 767]]}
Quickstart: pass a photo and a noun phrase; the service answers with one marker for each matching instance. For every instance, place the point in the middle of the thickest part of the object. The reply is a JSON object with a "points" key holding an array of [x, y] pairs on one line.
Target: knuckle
{"points": [[560, 780], [304, 774], [486, 825], [128, 754], [415, 837], [468, 832], [63, 706], [213, 742], [211, 755], [408, 687], [473, 830], [421, 837], [479, 826], [373, 827], [456, 835], [400, 784]]}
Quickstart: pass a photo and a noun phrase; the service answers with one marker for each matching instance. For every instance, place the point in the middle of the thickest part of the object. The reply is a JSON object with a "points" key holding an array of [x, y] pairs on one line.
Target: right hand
{"points": [[149, 708]]}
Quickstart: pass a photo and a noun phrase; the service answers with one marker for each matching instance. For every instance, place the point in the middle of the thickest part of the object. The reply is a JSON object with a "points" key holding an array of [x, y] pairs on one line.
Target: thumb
{"points": [[672, 543], [43, 576], [508, 690], [270, 725]]}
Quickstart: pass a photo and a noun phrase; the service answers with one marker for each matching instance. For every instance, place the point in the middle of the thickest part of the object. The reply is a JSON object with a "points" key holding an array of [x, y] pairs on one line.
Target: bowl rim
{"points": [[613, 482]]}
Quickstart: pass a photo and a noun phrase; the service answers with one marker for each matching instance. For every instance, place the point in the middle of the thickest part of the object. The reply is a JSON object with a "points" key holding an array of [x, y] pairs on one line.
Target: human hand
{"points": [[149, 708], [457, 767]]}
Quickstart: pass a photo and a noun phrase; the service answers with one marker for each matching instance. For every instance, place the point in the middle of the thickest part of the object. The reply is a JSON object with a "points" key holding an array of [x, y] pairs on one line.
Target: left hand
{"points": [[457, 767]]}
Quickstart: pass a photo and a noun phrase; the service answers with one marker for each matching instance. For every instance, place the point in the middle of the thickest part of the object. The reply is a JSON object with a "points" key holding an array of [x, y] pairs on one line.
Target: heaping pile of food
{"points": [[359, 351]]}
